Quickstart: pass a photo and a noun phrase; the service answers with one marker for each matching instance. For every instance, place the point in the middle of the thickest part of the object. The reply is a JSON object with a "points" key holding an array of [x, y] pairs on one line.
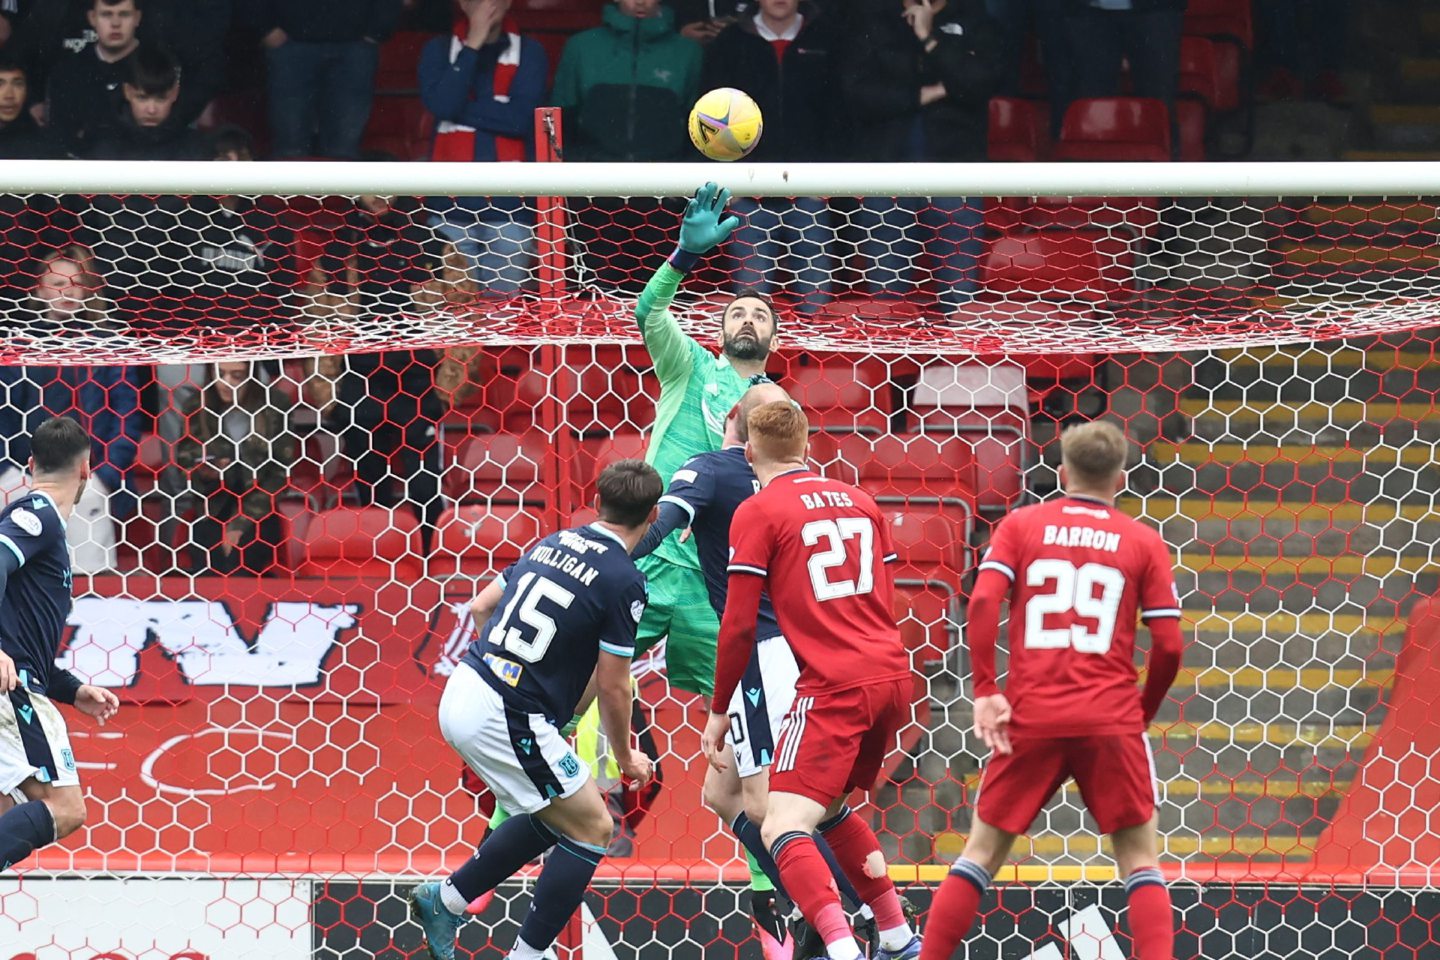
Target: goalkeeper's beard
{"points": [[746, 347]]}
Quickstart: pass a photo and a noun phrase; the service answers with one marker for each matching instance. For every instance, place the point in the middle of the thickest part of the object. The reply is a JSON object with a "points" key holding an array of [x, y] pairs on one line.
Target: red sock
{"points": [[807, 879], [857, 848], [952, 911], [1152, 920]]}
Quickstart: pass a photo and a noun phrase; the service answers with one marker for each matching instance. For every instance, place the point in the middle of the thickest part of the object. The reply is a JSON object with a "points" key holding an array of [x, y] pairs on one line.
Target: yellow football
{"points": [[725, 124]]}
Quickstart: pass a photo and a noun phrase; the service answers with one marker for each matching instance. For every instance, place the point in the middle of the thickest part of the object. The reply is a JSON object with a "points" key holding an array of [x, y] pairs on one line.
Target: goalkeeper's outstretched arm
{"points": [[701, 231]]}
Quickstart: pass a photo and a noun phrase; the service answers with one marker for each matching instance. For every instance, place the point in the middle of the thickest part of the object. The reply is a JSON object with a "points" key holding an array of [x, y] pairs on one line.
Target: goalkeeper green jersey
{"points": [[697, 391]]}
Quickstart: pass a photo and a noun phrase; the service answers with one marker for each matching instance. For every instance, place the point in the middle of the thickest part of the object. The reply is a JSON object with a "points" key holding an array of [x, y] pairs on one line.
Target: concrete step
{"points": [[1286, 537], [1373, 210], [1205, 760], [1239, 639], [1349, 706], [1206, 681], [1339, 356], [1339, 422], [1157, 508], [1061, 847], [1313, 484], [1329, 256], [1404, 126], [1275, 382], [1277, 590], [1226, 821]]}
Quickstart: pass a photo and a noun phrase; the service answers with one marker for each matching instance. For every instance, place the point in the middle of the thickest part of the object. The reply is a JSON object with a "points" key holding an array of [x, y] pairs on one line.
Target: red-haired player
{"points": [[1078, 574], [819, 548]]}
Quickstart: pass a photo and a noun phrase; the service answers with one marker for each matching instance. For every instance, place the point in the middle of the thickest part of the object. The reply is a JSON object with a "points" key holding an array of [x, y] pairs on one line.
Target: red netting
{"points": [[276, 569]]}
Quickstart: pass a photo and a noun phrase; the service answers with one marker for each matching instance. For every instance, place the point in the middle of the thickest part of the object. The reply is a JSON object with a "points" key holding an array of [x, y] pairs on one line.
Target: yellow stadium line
{"points": [[1156, 509], [1325, 251], [1373, 565], [1351, 212], [1285, 623], [1215, 844], [1284, 678], [1341, 736], [1012, 873], [1344, 413], [1198, 453]]}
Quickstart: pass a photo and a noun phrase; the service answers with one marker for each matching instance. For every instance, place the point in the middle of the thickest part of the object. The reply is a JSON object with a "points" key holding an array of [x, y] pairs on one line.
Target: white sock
{"points": [[452, 899], [523, 951], [865, 912], [843, 949], [896, 937]]}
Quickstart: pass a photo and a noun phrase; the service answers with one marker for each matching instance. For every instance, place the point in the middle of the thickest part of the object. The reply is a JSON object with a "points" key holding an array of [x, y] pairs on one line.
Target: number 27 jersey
{"points": [[1081, 575]]}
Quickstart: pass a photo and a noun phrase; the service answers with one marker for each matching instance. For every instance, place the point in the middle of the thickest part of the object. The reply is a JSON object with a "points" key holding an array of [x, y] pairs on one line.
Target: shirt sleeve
{"points": [[692, 488], [671, 350], [885, 538], [626, 609], [24, 533], [1003, 553], [751, 542], [1159, 597]]}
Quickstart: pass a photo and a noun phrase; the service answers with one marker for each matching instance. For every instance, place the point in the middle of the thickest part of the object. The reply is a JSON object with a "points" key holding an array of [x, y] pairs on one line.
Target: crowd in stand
{"points": [[883, 80]]}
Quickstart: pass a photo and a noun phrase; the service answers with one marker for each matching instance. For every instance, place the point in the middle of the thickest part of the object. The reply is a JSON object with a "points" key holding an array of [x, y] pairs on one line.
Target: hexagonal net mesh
{"points": [[320, 423]]}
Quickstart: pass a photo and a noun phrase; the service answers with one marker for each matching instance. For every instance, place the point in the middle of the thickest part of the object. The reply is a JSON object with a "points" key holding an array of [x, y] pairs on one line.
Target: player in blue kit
{"points": [[702, 499], [39, 786], [556, 630]]}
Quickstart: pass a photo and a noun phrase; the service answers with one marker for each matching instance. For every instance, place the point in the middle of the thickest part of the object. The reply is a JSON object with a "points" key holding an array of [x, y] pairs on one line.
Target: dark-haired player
{"points": [[563, 613], [819, 547], [1078, 574], [39, 785]]}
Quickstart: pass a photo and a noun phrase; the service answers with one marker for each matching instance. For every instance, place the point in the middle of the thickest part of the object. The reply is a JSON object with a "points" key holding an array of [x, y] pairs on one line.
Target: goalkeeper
{"points": [[697, 392]]}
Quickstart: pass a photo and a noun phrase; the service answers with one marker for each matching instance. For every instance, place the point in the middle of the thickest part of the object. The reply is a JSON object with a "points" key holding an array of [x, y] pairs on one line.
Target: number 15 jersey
{"points": [[571, 595], [1081, 573], [822, 546]]}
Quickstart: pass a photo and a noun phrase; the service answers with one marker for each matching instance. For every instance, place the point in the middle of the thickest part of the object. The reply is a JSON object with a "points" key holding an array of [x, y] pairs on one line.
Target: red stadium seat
{"points": [[1227, 19], [931, 561], [1115, 129], [599, 452], [398, 71], [498, 468], [1062, 265], [1019, 130], [837, 398], [916, 471], [480, 540], [360, 542], [399, 127], [1206, 75], [989, 406], [1190, 117]]}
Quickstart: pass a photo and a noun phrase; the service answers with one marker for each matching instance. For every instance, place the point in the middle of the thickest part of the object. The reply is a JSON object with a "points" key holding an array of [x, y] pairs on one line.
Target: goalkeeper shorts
{"points": [[679, 609]]}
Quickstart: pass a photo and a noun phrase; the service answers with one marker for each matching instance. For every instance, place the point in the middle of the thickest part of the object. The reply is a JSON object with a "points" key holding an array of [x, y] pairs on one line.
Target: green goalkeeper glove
{"points": [[701, 229], [569, 729]]}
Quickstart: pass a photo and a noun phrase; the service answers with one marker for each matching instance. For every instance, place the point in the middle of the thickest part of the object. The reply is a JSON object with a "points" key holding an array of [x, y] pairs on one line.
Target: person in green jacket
{"points": [[626, 88]]}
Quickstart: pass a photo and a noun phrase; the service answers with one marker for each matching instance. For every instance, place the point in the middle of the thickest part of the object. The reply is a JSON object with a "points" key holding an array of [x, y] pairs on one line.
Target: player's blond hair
{"points": [[1094, 453], [778, 431]]}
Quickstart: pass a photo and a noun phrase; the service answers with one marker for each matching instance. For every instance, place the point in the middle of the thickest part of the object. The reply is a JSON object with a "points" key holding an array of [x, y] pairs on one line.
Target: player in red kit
{"points": [[1078, 574], [819, 547]]}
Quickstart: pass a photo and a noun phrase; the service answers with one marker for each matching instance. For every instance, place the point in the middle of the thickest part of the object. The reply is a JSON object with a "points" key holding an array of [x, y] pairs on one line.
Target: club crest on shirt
{"points": [[27, 521], [637, 610]]}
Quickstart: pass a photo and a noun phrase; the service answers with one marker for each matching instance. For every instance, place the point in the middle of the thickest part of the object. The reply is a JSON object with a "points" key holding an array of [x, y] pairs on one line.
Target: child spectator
{"points": [[782, 57], [21, 138], [68, 300], [483, 84], [920, 84], [147, 128], [237, 451], [321, 56], [86, 88]]}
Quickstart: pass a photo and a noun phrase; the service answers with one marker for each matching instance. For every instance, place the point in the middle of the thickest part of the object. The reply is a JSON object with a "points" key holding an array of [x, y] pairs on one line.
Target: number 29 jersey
{"points": [[571, 595], [822, 546], [1081, 574]]}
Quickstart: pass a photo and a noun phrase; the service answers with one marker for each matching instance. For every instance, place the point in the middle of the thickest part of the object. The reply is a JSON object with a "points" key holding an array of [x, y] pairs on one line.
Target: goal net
{"points": [[329, 400]]}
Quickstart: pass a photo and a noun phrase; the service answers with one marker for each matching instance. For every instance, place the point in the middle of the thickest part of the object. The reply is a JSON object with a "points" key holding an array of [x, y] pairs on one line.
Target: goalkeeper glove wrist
{"points": [[683, 260], [569, 729]]}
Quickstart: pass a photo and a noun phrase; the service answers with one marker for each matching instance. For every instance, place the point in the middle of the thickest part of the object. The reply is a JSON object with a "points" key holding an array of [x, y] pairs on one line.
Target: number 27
{"points": [[835, 533]]}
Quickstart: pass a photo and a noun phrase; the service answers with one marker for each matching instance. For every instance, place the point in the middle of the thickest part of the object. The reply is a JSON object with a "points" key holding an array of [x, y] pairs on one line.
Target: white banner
{"points": [[142, 918]]}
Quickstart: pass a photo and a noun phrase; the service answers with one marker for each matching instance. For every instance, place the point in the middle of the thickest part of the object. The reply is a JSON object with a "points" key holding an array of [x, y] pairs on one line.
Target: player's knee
{"points": [[69, 812], [596, 829]]}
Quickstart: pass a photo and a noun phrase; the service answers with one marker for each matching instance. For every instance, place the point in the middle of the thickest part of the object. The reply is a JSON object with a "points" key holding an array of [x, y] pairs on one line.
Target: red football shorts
{"points": [[1115, 774], [832, 743]]}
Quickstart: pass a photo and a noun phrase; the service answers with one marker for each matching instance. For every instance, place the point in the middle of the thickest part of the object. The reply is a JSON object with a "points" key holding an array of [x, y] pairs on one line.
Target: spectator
{"points": [[322, 56], [626, 87], [483, 85], [69, 300], [236, 450], [1016, 19], [21, 138], [1285, 57], [86, 92], [192, 30], [628, 84], [1146, 33], [12, 12], [702, 20], [920, 86], [782, 57], [148, 128]]}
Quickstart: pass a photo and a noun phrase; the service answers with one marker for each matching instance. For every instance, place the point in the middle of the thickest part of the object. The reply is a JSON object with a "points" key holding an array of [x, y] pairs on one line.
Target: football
{"points": [[725, 124]]}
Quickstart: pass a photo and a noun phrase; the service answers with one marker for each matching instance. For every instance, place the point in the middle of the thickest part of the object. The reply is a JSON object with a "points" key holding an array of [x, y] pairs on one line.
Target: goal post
{"points": [[326, 410]]}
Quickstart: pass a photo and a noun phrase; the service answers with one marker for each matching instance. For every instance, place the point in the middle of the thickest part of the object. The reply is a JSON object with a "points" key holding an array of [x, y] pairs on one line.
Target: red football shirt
{"points": [[822, 547], [1081, 573]]}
